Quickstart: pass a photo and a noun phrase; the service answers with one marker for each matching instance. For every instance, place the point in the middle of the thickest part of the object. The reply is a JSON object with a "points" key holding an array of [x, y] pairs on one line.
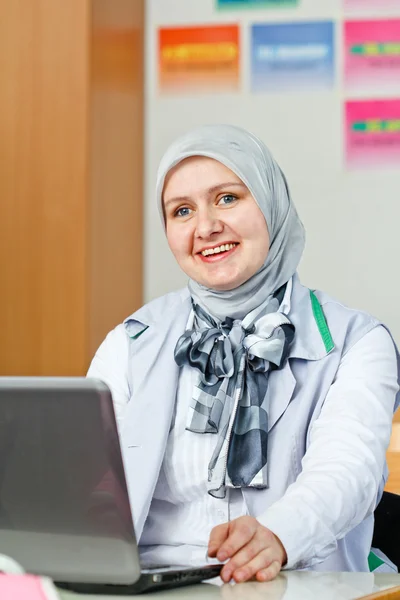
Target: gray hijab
{"points": [[239, 336], [249, 158]]}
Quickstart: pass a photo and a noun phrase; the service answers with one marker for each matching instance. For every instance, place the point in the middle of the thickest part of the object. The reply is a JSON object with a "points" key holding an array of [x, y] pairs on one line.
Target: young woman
{"points": [[254, 413]]}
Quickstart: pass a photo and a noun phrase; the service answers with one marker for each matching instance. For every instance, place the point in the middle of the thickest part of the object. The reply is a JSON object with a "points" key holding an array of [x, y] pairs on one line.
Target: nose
{"points": [[207, 223]]}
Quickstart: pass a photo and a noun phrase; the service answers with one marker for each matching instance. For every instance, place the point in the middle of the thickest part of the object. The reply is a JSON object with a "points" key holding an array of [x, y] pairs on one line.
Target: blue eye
{"points": [[182, 212], [227, 199]]}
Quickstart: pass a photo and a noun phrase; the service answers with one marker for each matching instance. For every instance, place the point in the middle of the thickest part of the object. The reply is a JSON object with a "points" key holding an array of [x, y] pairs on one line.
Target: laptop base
{"points": [[149, 581]]}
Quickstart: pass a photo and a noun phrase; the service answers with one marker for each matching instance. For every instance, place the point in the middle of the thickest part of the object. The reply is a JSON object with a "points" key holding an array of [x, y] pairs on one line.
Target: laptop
{"points": [[64, 505]]}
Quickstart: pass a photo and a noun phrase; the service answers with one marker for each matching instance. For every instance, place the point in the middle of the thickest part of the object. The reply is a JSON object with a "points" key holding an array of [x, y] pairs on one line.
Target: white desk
{"points": [[293, 585]]}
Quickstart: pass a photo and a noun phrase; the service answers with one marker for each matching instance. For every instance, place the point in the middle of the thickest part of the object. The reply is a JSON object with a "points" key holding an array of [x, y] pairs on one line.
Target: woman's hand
{"points": [[253, 550]]}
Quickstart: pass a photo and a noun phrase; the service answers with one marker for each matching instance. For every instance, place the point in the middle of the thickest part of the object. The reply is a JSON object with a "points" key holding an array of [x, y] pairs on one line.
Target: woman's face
{"points": [[215, 228]]}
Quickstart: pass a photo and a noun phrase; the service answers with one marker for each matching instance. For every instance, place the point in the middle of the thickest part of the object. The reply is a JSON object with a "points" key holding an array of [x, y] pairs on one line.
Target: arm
{"points": [[341, 472], [110, 365], [343, 465]]}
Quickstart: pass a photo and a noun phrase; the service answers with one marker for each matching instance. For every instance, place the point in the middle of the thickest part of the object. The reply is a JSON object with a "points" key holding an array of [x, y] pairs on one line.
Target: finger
{"points": [[218, 536], [243, 557], [241, 533], [270, 572], [260, 562]]}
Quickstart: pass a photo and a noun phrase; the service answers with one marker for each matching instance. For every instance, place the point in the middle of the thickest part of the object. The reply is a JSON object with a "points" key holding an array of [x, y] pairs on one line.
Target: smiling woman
{"points": [[260, 411]]}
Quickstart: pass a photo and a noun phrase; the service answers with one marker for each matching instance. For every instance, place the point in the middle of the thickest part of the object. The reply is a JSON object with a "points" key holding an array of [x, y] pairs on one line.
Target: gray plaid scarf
{"points": [[234, 359]]}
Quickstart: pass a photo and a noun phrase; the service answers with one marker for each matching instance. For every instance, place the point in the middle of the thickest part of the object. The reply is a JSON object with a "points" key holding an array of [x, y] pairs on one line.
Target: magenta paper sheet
{"points": [[372, 133], [372, 55]]}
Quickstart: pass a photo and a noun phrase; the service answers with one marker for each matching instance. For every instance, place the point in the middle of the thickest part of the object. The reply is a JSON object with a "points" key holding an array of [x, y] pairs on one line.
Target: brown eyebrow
{"points": [[211, 190]]}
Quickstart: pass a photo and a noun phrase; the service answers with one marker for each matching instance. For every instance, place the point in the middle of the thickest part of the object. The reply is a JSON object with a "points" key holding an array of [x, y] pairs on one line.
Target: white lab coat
{"points": [[330, 421]]}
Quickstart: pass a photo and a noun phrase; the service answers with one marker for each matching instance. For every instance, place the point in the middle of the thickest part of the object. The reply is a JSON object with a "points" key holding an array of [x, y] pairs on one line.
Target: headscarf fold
{"points": [[239, 336]]}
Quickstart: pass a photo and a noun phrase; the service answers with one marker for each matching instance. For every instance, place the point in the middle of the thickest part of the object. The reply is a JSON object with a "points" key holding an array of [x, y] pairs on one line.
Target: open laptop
{"points": [[64, 505]]}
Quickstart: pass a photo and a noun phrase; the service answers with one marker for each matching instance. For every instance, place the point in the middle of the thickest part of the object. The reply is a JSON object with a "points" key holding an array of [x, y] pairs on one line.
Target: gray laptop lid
{"points": [[64, 507]]}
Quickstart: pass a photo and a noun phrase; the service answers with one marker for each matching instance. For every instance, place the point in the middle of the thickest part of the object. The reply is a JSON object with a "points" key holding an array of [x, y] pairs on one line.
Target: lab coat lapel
{"points": [[154, 380]]}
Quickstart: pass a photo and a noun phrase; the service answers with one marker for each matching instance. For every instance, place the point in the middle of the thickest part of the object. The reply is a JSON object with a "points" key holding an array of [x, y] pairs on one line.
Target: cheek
{"points": [[253, 229], [262, 242], [178, 241], [262, 237], [256, 232]]}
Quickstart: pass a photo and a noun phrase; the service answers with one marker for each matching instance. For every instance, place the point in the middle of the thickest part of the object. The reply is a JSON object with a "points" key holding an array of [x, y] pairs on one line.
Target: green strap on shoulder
{"points": [[321, 323]]}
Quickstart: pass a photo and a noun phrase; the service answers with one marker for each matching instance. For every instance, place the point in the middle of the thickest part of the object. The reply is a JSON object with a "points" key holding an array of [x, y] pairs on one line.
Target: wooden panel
{"points": [[43, 112], [116, 164], [71, 148]]}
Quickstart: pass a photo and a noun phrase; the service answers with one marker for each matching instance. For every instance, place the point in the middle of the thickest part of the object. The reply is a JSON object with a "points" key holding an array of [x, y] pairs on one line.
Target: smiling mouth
{"points": [[218, 253], [218, 250]]}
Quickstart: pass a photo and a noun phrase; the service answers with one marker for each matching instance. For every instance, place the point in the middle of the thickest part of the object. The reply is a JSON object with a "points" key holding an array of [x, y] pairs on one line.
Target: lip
{"points": [[216, 246], [211, 258]]}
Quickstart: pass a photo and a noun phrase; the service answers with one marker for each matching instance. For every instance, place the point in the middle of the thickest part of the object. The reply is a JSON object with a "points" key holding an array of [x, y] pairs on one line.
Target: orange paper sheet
{"points": [[199, 58]]}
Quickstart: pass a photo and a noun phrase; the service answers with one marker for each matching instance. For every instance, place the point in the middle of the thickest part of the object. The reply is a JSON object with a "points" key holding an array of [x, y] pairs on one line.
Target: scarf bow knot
{"points": [[234, 360]]}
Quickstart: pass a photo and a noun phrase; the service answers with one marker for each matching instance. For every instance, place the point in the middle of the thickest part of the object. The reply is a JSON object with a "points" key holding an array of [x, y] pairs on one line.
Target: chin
{"points": [[220, 282]]}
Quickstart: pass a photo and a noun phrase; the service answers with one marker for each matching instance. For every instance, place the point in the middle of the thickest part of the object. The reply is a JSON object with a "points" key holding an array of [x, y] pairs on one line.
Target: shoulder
{"points": [[348, 325], [334, 309], [316, 314], [114, 351], [156, 310], [117, 340]]}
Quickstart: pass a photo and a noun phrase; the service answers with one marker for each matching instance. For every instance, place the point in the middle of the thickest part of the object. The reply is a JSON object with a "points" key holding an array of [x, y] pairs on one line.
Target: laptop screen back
{"points": [[64, 508]]}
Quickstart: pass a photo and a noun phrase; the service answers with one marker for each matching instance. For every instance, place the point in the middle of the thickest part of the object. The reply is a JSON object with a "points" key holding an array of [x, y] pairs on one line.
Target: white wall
{"points": [[351, 218]]}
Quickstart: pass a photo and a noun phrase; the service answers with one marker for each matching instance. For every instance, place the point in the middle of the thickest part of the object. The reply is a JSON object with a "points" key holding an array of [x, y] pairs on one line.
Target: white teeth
{"points": [[222, 248]]}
